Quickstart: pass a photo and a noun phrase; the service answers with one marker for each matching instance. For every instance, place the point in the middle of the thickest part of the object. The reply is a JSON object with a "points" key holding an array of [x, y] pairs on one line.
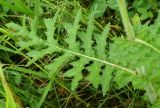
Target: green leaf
{"points": [[99, 7], [26, 71], [10, 102], [7, 49], [76, 72], [87, 37], [83, 50], [44, 95], [142, 55], [106, 79], [94, 76], [112, 4], [16, 5], [142, 7], [72, 32]]}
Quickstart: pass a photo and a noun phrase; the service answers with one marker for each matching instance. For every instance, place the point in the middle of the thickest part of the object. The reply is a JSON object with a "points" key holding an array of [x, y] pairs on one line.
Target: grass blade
{"points": [[10, 102]]}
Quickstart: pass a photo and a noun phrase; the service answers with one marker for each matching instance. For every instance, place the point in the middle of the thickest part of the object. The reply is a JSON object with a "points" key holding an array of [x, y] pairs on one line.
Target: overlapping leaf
{"points": [[142, 56]]}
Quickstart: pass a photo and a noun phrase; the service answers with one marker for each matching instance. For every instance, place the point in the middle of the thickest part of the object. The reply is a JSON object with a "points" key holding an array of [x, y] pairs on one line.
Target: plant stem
{"points": [[126, 22]]}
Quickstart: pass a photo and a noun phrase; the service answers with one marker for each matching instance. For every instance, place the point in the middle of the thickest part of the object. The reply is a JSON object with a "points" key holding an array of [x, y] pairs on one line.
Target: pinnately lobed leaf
{"points": [[85, 52], [72, 54]]}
